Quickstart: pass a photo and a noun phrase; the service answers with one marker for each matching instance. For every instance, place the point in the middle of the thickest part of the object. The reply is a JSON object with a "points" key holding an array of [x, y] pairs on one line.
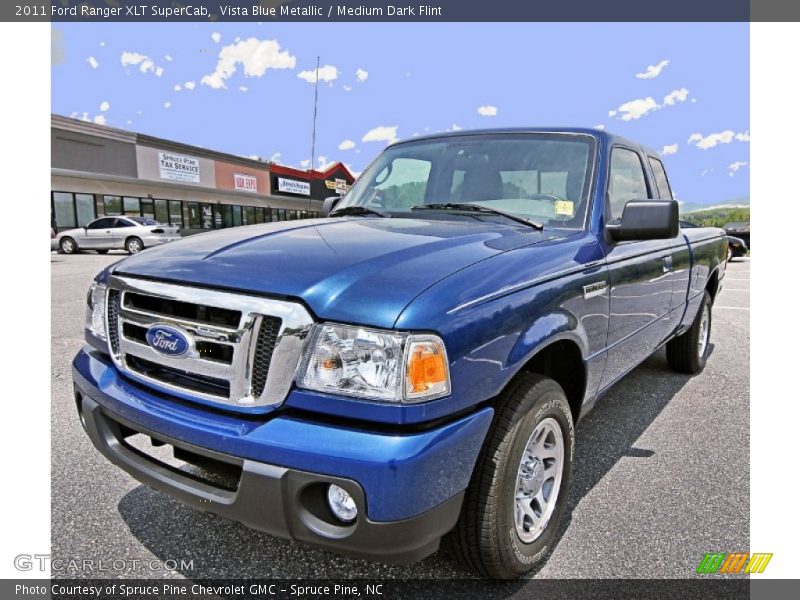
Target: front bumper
{"points": [[408, 485]]}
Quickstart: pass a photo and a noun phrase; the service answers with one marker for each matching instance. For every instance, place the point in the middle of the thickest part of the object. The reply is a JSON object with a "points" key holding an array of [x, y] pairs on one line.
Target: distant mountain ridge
{"points": [[690, 207]]}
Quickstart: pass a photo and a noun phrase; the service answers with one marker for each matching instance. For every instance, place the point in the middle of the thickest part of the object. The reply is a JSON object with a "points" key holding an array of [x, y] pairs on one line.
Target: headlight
{"points": [[379, 365], [96, 310]]}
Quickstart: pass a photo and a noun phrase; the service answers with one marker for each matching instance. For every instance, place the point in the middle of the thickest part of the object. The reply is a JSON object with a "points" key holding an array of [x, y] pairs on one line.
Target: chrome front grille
{"points": [[243, 350]]}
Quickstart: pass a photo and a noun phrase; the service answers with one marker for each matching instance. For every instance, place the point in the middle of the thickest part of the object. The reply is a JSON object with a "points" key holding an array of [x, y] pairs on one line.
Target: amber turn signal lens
{"points": [[426, 371]]}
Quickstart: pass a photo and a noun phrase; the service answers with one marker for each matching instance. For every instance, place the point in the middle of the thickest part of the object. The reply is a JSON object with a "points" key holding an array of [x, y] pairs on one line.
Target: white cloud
{"points": [[733, 167], [93, 62], [636, 109], [177, 87], [326, 74], [305, 163], [167, 58], [145, 63], [671, 149], [714, 139], [487, 110], [706, 172], [383, 133], [104, 106], [347, 145], [256, 56], [361, 75], [102, 43], [323, 163], [189, 85], [167, 104], [243, 88], [100, 119], [455, 127], [601, 127], [653, 71], [216, 37], [676, 96], [346, 88], [275, 157]]}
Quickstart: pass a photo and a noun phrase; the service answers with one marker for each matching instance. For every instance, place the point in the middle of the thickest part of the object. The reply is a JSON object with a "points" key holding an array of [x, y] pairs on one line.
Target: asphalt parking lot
{"points": [[662, 474]]}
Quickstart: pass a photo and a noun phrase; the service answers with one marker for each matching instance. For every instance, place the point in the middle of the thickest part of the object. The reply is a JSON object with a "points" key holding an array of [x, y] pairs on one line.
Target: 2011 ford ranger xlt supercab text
{"points": [[411, 367]]}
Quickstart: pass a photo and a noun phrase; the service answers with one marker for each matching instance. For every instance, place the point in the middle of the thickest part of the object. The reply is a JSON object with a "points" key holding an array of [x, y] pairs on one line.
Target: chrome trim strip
{"points": [[296, 323]]}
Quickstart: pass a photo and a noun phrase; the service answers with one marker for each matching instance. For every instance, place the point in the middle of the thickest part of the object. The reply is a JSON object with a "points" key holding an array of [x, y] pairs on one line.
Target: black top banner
{"points": [[382, 10]]}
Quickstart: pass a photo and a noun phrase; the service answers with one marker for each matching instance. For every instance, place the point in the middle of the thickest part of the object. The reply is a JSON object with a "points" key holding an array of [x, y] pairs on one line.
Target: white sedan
{"points": [[133, 234]]}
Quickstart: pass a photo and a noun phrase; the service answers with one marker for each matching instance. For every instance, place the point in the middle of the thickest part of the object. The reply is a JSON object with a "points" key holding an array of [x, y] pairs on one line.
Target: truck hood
{"points": [[359, 270]]}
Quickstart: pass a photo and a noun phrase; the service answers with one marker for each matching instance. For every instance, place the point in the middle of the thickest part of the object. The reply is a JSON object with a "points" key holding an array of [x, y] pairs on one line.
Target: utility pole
{"points": [[314, 124]]}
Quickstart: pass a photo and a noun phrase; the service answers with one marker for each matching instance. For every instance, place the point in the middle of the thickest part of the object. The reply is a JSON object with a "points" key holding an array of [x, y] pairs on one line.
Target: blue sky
{"points": [[682, 89]]}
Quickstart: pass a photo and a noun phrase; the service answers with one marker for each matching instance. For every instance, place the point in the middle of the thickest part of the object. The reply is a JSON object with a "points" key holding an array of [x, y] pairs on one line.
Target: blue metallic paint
{"points": [[496, 292], [403, 474]]}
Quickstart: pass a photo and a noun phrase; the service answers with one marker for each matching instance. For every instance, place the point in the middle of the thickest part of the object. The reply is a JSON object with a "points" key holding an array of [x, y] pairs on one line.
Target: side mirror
{"points": [[646, 220], [329, 204]]}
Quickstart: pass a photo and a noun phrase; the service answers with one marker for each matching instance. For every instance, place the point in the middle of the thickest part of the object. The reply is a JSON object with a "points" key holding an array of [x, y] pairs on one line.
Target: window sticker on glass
{"points": [[565, 207]]}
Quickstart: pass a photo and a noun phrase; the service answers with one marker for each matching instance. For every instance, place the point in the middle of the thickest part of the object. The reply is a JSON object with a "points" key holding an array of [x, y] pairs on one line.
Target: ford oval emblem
{"points": [[168, 341]]}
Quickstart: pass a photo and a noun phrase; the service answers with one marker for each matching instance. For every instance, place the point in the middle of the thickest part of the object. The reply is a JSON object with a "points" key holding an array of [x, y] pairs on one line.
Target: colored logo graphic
{"points": [[167, 341], [739, 562]]}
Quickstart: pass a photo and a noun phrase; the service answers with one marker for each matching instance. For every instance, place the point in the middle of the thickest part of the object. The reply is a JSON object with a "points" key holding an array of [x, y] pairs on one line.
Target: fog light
{"points": [[342, 504]]}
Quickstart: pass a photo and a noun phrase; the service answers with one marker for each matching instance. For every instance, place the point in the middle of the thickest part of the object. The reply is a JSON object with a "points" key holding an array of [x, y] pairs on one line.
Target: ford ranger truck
{"points": [[411, 367]]}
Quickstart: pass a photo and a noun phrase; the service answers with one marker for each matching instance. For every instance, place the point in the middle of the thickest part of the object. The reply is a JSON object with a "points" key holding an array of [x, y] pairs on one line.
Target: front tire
{"points": [[68, 246], [730, 254], [688, 352], [134, 245], [519, 488]]}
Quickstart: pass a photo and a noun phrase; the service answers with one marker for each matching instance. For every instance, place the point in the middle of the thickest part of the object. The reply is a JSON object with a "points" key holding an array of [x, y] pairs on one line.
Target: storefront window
{"points": [[193, 215], [162, 212], [250, 215], [259, 213], [281, 214], [218, 221], [64, 210], [113, 205], [84, 206], [148, 211], [237, 216], [131, 206], [176, 213], [207, 218], [227, 215]]}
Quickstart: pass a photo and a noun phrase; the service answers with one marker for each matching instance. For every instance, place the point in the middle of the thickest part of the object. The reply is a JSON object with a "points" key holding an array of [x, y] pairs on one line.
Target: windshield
{"points": [[542, 177]]}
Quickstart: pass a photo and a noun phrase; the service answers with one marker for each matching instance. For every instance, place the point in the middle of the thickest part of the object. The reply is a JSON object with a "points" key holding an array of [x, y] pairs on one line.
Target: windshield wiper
{"points": [[356, 210], [479, 208]]}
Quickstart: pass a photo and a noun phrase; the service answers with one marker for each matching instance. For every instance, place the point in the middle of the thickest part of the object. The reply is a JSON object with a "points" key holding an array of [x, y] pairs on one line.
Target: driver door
{"points": [[99, 234]]}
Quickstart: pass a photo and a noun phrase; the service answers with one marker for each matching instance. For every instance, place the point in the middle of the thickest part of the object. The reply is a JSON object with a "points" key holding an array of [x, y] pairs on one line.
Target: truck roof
{"points": [[599, 134]]}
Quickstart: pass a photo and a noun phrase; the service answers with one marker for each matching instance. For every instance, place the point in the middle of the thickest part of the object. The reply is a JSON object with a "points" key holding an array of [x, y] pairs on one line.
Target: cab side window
{"points": [[662, 183], [123, 223], [105, 223], [626, 182]]}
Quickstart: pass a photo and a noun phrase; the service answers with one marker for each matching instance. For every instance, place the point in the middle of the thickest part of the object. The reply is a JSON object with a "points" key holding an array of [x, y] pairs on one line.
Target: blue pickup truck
{"points": [[411, 367]]}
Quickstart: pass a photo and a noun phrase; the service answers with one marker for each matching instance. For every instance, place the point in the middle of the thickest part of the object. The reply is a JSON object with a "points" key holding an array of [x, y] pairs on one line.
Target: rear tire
{"points": [[688, 352], [134, 245], [502, 504], [68, 246]]}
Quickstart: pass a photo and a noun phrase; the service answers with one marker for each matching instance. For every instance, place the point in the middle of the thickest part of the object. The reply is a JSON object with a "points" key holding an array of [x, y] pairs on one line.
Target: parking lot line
{"points": [[733, 307]]}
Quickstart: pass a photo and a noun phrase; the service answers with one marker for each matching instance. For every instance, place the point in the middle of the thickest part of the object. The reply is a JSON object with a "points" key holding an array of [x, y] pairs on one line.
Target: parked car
{"points": [[737, 247], [133, 234], [412, 366]]}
